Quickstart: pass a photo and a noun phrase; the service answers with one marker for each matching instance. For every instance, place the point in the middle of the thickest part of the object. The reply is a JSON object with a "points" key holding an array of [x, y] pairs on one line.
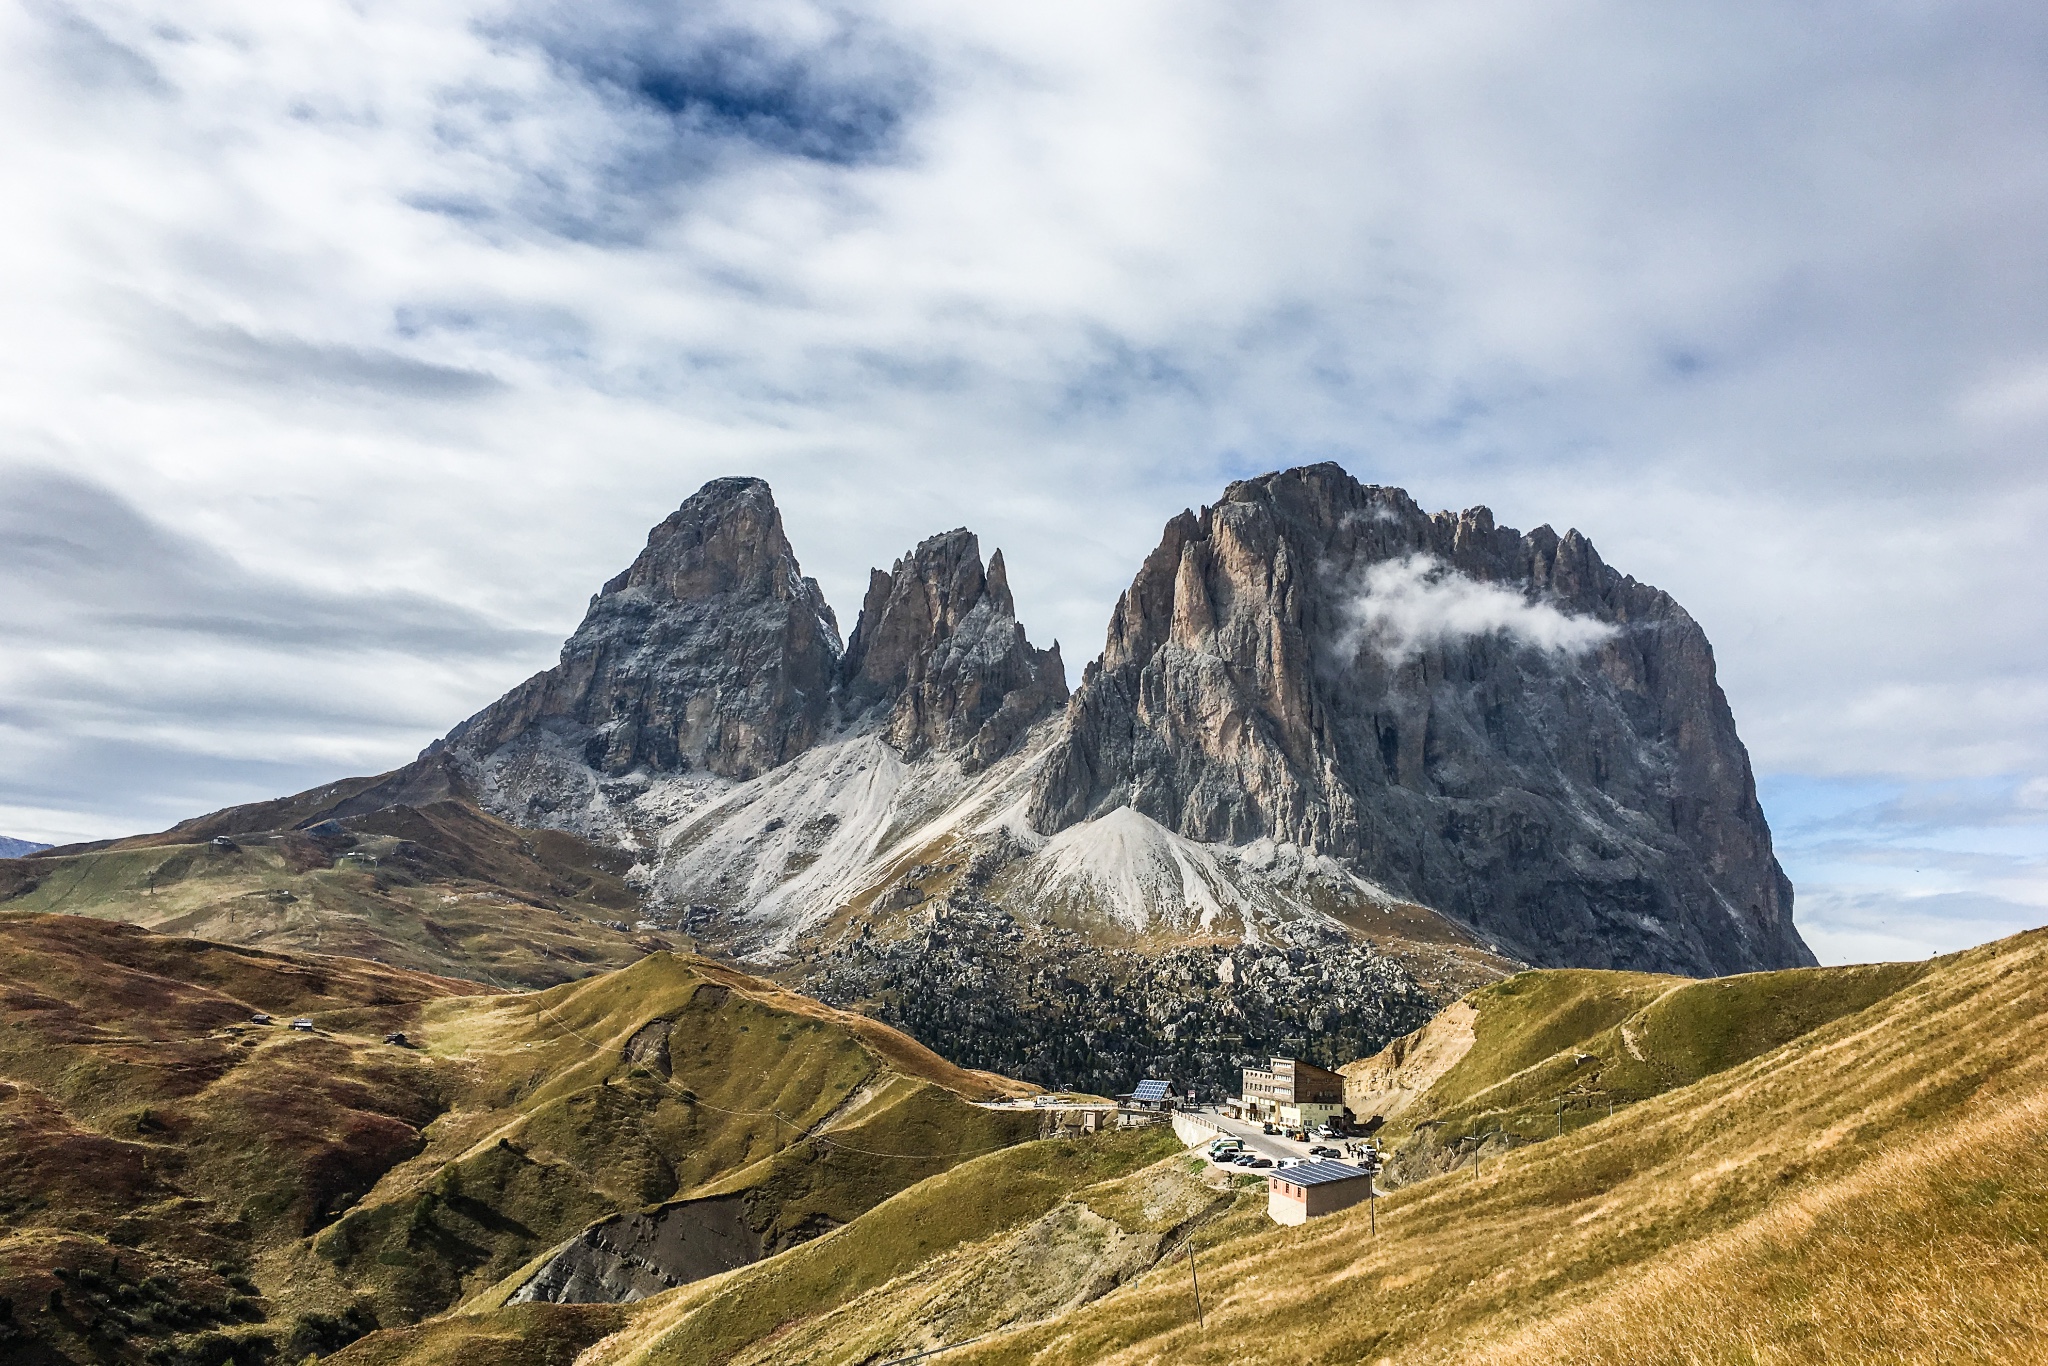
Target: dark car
{"points": [[1260, 1162], [1324, 1152]]}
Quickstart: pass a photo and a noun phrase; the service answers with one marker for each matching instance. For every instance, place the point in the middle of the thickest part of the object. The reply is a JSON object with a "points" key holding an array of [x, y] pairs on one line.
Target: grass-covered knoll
{"points": [[441, 887], [1556, 1049], [266, 1177], [1000, 1238], [1533, 1016], [1874, 1189], [672, 1079], [787, 1296]]}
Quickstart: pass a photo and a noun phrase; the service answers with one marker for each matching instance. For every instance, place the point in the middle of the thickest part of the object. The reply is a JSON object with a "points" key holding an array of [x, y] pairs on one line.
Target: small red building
{"points": [[1295, 1195]]}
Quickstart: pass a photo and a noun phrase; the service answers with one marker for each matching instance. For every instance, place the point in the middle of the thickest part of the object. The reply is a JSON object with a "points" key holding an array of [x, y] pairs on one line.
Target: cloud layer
{"points": [[455, 298], [1408, 605]]}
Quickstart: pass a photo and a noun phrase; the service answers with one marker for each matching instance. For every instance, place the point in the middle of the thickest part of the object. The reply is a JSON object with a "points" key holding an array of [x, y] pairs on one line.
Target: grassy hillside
{"points": [[441, 887], [1554, 1050], [1830, 1165], [1873, 1189], [978, 1243], [176, 1179]]}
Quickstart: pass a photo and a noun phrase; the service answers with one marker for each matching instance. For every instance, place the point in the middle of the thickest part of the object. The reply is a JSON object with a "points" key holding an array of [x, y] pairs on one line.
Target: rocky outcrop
{"points": [[939, 655], [1384, 1085], [713, 658], [631, 1256], [711, 651], [1034, 1001], [1495, 724]]}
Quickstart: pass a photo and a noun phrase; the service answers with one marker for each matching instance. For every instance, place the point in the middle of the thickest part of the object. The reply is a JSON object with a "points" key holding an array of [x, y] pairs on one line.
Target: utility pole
{"points": [[1372, 1162]]}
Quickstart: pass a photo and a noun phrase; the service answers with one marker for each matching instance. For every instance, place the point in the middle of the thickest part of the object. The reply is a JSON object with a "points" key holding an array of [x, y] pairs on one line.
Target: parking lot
{"points": [[1266, 1145]]}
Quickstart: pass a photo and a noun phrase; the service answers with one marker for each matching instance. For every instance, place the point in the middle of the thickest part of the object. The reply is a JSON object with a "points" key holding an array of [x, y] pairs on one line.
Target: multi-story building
{"points": [[1292, 1093]]}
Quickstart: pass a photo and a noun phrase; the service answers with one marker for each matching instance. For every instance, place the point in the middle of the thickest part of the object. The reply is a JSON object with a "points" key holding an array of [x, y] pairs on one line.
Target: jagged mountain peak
{"points": [[712, 651], [1496, 724], [726, 539], [939, 650], [713, 654]]}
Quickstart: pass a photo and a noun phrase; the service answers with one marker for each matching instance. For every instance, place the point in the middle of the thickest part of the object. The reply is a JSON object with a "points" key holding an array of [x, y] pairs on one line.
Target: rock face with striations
{"points": [[712, 657], [1494, 724], [938, 651], [712, 650]]}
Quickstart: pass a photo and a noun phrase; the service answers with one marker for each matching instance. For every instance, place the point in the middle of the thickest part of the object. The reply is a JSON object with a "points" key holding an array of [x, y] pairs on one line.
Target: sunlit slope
{"points": [[1875, 1189], [1016, 1234], [441, 887], [1552, 1050], [274, 1179], [562, 1121]]}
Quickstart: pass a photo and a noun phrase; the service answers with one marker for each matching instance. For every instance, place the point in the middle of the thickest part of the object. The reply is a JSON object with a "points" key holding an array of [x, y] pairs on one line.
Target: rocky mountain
{"points": [[1417, 748], [14, 848], [1495, 724], [1315, 699], [940, 658]]}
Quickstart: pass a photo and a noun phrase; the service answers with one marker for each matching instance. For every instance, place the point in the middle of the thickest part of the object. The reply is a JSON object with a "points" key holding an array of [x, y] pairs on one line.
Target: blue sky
{"points": [[351, 345]]}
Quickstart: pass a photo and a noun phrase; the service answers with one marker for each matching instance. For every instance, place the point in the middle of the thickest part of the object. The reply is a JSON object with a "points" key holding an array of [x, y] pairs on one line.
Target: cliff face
{"points": [[1495, 724], [1312, 676], [712, 657], [711, 651], [939, 653]]}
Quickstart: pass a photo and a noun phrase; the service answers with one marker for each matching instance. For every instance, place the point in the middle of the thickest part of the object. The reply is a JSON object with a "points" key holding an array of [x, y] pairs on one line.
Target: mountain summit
{"points": [[1494, 724], [1340, 759], [711, 651], [1316, 702]]}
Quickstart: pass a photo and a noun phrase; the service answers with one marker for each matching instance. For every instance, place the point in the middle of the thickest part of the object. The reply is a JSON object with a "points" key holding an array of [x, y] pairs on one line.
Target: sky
{"points": [[349, 347]]}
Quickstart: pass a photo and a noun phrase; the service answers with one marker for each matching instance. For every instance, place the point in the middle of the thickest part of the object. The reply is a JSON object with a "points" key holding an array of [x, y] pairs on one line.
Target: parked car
{"points": [[1324, 1152], [1269, 1128], [1260, 1162]]}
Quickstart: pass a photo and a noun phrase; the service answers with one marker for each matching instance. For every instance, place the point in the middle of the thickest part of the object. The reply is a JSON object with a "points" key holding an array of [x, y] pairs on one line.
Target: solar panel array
{"points": [[1151, 1090], [1316, 1173]]}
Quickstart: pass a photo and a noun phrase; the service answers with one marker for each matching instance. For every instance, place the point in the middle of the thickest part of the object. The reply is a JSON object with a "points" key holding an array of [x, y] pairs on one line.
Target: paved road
{"points": [[1267, 1145]]}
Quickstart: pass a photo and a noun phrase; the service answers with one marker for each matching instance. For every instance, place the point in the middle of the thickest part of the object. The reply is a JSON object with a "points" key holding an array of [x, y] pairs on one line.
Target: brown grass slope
{"points": [[283, 1191], [1541, 1052], [1023, 1231], [1874, 1190], [438, 887]]}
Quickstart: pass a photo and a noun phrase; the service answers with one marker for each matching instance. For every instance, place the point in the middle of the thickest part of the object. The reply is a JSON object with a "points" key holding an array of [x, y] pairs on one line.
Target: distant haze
{"points": [[352, 346]]}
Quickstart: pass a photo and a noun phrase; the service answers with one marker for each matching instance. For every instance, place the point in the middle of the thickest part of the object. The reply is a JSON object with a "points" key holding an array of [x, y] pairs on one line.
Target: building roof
{"points": [[1320, 1173], [1151, 1090]]}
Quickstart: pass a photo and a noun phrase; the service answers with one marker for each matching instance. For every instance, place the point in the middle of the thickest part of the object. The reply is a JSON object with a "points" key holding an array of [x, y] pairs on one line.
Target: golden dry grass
{"points": [[1872, 1191]]}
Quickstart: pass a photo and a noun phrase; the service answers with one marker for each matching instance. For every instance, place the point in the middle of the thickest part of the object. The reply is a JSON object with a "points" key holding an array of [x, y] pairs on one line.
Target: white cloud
{"points": [[1417, 602], [457, 297]]}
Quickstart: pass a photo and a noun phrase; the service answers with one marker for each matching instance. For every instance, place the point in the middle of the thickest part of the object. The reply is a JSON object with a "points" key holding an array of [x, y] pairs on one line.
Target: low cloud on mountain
{"points": [[1405, 606]]}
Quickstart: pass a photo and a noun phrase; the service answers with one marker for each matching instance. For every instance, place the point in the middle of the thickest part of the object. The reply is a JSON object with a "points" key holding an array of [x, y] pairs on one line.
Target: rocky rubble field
{"points": [[1043, 1004]]}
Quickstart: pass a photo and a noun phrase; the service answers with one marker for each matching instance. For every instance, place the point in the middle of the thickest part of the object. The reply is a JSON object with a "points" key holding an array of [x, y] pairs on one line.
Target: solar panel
{"points": [[1318, 1172], [1151, 1090]]}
